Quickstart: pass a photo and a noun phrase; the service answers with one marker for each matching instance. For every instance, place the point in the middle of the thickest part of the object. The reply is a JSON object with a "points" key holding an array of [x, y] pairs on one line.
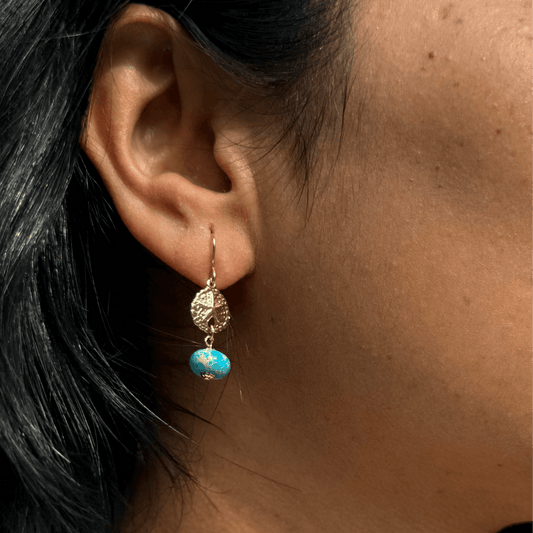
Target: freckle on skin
{"points": [[431, 55], [445, 11], [458, 21], [240, 213], [498, 131], [456, 84]]}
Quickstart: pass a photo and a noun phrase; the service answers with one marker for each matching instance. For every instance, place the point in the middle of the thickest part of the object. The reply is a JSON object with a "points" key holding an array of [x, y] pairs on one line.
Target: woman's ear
{"points": [[161, 132]]}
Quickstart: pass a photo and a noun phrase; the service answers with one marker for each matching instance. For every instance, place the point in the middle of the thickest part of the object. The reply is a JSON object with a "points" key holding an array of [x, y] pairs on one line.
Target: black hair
{"points": [[77, 402]]}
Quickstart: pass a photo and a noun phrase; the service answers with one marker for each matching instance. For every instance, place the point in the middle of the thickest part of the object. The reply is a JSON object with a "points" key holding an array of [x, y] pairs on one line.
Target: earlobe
{"points": [[158, 133]]}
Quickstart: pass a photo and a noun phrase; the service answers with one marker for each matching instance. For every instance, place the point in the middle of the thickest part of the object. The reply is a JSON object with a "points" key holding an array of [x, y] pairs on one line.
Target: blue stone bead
{"points": [[208, 361]]}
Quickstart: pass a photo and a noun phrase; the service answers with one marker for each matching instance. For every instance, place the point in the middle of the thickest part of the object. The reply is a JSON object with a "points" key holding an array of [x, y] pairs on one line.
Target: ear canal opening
{"points": [[202, 167]]}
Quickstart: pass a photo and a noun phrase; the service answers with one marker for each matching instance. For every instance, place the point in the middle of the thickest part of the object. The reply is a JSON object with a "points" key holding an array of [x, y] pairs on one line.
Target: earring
{"points": [[210, 313]]}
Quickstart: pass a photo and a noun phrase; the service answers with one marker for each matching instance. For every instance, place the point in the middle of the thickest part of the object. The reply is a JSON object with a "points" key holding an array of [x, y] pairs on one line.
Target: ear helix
{"points": [[210, 313]]}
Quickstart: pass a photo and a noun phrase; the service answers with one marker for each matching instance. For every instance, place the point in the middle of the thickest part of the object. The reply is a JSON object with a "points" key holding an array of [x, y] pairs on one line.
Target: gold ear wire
{"points": [[213, 272]]}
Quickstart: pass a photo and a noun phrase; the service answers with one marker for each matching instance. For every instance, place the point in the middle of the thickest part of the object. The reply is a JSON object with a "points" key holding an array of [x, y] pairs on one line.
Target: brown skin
{"points": [[382, 361]]}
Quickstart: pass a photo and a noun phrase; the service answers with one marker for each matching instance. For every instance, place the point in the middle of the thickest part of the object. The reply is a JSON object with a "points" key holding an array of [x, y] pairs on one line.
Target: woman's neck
{"points": [[252, 476]]}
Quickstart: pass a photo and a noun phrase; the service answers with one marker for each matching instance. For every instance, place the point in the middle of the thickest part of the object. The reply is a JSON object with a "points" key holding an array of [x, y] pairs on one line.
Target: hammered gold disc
{"points": [[210, 311]]}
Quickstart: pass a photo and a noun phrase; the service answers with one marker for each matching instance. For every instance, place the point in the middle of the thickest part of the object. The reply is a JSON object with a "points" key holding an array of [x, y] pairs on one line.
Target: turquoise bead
{"points": [[210, 364]]}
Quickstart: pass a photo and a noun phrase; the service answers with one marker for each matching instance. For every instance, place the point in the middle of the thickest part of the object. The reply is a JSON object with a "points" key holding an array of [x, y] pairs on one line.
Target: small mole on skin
{"points": [[467, 300], [445, 11], [458, 21], [498, 131], [431, 55], [500, 465], [456, 84], [437, 167]]}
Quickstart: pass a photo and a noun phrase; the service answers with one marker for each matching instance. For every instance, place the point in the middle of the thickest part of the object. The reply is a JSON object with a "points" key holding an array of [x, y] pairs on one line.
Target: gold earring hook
{"points": [[213, 278]]}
